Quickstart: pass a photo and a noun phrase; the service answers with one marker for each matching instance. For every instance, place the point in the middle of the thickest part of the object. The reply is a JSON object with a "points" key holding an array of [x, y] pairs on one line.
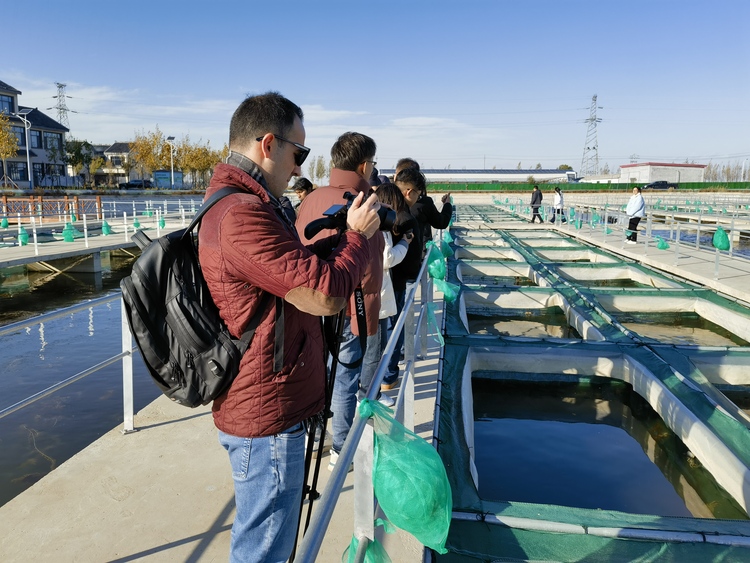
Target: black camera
{"points": [[335, 218]]}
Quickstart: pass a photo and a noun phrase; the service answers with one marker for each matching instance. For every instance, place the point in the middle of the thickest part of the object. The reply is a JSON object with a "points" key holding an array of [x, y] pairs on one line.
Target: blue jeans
{"points": [[375, 346], [391, 375], [268, 477], [347, 383]]}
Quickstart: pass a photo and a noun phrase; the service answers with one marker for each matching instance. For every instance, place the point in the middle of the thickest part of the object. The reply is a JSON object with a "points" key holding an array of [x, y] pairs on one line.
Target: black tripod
{"points": [[319, 422]]}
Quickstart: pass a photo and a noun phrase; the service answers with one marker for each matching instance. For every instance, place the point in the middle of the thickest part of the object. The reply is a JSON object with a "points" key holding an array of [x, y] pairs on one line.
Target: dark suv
{"points": [[136, 185]]}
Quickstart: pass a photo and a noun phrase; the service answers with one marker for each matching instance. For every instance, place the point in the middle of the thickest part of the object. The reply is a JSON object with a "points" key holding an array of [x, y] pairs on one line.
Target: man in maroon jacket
{"points": [[353, 158], [248, 248]]}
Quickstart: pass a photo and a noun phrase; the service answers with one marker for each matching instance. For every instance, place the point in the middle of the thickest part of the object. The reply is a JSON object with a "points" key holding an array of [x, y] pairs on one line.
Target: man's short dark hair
{"points": [[302, 185], [257, 115], [352, 149], [405, 163], [413, 177]]}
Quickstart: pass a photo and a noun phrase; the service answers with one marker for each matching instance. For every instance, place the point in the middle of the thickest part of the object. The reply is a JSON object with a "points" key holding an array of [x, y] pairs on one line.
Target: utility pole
{"points": [[590, 160]]}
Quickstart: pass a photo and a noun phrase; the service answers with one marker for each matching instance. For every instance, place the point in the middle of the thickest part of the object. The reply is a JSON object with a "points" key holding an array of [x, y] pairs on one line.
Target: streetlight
{"points": [[21, 114], [171, 157]]}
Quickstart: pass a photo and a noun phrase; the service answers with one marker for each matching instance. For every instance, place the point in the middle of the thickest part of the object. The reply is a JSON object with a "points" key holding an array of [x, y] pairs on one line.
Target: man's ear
{"points": [[361, 169], [264, 145]]}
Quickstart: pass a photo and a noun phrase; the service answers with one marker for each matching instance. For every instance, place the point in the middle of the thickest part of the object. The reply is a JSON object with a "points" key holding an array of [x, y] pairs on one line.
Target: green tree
{"points": [[57, 157], [538, 166], [565, 167], [8, 143], [94, 165], [79, 155]]}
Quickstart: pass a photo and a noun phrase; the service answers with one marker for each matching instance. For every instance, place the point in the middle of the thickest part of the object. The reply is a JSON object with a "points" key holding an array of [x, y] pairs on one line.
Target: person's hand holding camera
{"points": [[446, 198], [363, 216], [409, 236]]}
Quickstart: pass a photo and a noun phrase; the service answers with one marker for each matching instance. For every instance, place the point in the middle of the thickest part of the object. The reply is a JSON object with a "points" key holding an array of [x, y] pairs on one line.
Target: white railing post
{"points": [[364, 497], [33, 232], [127, 372], [85, 231]]}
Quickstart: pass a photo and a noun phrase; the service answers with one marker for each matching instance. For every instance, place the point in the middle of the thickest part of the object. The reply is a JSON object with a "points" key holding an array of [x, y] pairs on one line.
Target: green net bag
{"points": [[447, 237], [435, 262], [721, 240], [445, 249], [409, 479], [375, 552], [661, 244], [449, 290]]}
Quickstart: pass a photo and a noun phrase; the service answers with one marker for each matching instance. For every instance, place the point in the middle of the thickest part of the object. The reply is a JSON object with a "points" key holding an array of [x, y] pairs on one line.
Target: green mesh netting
{"points": [[409, 479], [449, 290], [721, 240], [435, 261], [661, 244], [375, 552], [445, 249], [447, 237]]}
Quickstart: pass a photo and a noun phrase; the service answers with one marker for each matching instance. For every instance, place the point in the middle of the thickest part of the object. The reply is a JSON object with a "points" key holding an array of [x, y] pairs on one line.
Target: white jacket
{"points": [[392, 255], [636, 206], [558, 202]]}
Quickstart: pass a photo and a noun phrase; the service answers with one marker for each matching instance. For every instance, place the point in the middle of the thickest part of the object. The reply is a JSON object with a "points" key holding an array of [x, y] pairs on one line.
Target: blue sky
{"points": [[465, 84]]}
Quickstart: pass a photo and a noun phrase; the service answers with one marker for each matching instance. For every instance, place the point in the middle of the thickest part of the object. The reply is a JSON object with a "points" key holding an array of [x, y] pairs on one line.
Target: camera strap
{"points": [[330, 331]]}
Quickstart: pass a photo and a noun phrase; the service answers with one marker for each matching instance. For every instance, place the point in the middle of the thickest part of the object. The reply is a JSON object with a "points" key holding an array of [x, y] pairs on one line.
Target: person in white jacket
{"points": [[391, 196], [558, 206], [635, 211]]}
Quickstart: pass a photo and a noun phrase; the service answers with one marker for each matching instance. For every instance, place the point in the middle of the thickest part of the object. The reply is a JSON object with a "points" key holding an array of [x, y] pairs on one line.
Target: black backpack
{"points": [[186, 346]]}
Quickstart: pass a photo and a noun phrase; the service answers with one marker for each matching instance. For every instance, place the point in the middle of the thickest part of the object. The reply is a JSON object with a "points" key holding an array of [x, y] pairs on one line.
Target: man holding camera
{"points": [[353, 158], [248, 250]]}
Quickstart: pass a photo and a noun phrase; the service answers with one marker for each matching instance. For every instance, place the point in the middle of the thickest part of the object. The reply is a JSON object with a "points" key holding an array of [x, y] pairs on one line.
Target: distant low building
{"points": [[646, 172], [46, 150], [541, 175]]}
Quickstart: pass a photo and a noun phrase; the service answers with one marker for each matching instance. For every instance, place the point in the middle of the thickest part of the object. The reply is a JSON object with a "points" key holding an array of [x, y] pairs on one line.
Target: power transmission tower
{"points": [[62, 108], [590, 160]]}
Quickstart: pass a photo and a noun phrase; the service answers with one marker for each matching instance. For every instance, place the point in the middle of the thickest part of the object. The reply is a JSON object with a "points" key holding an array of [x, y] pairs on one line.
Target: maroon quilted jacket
{"points": [[245, 247], [320, 200]]}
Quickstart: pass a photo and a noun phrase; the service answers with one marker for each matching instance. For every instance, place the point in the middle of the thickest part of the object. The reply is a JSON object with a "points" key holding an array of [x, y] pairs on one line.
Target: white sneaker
{"points": [[632, 242], [334, 459], [386, 401]]}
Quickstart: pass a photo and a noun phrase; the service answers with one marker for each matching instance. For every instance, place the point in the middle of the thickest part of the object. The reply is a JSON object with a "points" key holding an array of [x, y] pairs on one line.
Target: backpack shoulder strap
{"points": [[220, 194]]}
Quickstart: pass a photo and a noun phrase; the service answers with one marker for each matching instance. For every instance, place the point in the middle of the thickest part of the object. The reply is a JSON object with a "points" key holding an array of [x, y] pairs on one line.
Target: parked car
{"points": [[660, 185], [136, 185]]}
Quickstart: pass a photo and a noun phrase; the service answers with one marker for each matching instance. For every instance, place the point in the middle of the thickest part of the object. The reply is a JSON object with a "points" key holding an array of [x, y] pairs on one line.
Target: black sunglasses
{"points": [[302, 150]]}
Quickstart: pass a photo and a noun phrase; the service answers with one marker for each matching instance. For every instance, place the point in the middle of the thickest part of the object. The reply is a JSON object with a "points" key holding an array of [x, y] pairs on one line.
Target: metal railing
{"points": [[358, 447], [125, 355]]}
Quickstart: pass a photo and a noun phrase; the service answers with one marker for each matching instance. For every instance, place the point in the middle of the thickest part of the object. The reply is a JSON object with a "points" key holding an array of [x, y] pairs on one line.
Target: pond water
{"points": [[536, 323], [38, 438], [597, 446], [679, 328]]}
